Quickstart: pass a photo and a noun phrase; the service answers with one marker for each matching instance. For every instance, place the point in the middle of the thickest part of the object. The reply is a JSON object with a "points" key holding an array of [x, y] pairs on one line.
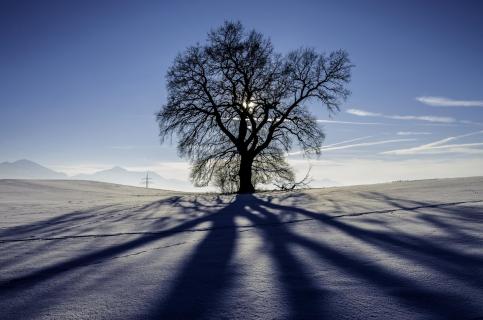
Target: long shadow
{"points": [[305, 297], [77, 224], [199, 287], [402, 240], [79, 218], [41, 275], [53, 223], [207, 274], [430, 301], [452, 229]]}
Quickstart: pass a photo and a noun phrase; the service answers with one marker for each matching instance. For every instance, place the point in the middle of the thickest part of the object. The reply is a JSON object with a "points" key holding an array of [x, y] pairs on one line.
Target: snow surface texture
{"points": [[90, 250]]}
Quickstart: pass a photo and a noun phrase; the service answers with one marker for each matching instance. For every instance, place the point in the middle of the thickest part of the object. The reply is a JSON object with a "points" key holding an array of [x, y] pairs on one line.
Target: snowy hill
{"points": [[26, 169], [133, 178], [91, 250]]}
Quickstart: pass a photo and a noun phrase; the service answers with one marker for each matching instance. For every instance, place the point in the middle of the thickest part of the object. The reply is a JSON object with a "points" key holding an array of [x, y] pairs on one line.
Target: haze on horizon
{"points": [[81, 82]]}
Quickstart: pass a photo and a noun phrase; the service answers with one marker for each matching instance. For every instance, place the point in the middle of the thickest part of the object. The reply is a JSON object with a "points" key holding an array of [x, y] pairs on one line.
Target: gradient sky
{"points": [[80, 81]]}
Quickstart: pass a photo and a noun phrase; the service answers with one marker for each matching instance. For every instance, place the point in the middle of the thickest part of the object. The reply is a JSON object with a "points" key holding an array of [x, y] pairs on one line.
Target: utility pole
{"points": [[146, 180]]}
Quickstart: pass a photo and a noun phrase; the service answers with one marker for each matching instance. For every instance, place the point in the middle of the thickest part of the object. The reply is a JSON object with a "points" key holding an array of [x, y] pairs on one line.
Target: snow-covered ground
{"points": [[90, 250]]}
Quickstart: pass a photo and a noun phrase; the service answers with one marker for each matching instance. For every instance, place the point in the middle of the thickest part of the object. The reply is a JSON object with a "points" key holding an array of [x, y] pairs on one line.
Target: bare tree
{"points": [[236, 106]]}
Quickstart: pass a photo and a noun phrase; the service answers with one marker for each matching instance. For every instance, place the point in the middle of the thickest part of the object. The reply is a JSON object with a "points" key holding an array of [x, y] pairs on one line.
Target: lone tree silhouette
{"points": [[236, 107]]}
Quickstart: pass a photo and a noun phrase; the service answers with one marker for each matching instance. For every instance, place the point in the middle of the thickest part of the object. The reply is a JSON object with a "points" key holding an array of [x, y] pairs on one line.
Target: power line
{"points": [[146, 180]]}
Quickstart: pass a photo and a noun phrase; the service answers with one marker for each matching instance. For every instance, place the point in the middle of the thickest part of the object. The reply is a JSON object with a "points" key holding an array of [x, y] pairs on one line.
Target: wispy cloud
{"points": [[343, 144], [332, 145], [363, 113], [364, 144], [349, 122], [423, 118], [412, 133], [347, 141], [430, 118], [441, 146], [447, 102]]}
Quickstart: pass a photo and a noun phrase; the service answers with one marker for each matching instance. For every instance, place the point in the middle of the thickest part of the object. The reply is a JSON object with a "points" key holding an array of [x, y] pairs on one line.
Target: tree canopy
{"points": [[237, 107]]}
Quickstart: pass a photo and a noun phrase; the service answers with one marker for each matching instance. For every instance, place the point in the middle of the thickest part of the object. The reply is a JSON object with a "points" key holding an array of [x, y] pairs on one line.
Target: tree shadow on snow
{"points": [[197, 291]]}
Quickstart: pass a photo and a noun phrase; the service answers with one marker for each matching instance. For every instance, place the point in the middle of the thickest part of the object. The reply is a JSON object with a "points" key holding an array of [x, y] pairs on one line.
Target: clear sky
{"points": [[80, 81]]}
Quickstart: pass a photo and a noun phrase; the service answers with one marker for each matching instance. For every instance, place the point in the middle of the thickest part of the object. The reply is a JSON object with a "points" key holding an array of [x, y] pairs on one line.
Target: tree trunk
{"points": [[245, 175]]}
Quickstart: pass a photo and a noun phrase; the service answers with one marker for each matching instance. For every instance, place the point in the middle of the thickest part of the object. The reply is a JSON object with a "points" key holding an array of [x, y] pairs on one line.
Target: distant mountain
{"points": [[134, 178], [26, 169]]}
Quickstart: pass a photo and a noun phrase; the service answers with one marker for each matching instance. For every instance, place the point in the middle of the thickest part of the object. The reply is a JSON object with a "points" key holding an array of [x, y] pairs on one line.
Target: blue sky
{"points": [[80, 81]]}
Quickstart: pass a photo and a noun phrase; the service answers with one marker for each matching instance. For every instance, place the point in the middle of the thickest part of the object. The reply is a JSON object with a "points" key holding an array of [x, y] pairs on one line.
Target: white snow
{"points": [[91, 250]]}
